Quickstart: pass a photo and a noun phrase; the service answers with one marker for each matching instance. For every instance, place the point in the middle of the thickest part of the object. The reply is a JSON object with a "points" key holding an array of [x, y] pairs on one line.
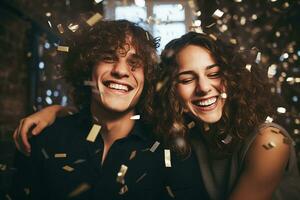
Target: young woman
{"points": [[211, 105]]}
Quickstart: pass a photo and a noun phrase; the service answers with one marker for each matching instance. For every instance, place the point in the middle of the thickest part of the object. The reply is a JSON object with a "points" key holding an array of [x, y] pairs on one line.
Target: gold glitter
{"points": [[233, 41], [60, 155], [68, 168], [121, 174], [60, 28], [123, 190], [169, 190], [270, 145], [93, 133], [94, 19], [248, 67], [147, 35], [154, 146], [132, 155], [167, 158], [206, 127], [63, 48], [140, 178], [191, 124], [211, 25], [79, 189], [73, 27], [135, 117], [213, 37], [227, 140]]}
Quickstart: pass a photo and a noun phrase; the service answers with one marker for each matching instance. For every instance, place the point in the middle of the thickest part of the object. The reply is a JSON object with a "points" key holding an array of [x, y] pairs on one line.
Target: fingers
{"points": [[17, 139], [24, 134], [38, 128]]}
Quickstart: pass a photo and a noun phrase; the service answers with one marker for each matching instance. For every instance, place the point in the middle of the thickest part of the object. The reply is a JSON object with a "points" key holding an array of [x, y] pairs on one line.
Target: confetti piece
{"points": [[135, 117], [97, 151], [233, 41], [80, 189], [270, 145], [167, 158], [269, 119], [248, 67], [93, 133], [79, 161], [169, 190], [227, 140], [206, 127], [68, 168], [211, 25], [191, 125], [132, 155], [217, 14], [223, 95], [89, 83], [44, 153], [49, 23], [154, 146], [95, 118], [27, 191], [73, 27], [147, 35], [94, 19], [121, 174], [3, 167], [63, 48], [140, 178], [70, 113], [213, 37], [60, 155], [60, 28], [258, 57], [123, 190]]}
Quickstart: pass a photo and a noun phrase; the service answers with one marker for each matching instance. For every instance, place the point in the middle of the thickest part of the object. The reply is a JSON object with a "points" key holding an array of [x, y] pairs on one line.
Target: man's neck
{"points": [[115, 125]]}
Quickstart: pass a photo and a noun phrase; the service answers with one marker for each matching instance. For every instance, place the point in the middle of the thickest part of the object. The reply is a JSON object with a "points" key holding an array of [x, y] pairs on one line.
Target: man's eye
{"points": [[214, 75], [108, 59]]}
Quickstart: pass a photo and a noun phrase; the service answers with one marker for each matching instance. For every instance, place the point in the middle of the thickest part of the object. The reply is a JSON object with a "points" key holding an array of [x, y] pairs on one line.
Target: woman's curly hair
{"points": [[87, 48], [247, 104]]}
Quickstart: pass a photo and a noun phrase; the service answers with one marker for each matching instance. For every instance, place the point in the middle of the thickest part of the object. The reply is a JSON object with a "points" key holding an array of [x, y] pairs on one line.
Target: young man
{"points": [[101, 152]]}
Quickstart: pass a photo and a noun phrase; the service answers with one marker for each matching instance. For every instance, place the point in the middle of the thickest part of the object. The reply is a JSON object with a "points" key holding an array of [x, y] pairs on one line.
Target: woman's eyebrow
{"points": [[186, 72]]}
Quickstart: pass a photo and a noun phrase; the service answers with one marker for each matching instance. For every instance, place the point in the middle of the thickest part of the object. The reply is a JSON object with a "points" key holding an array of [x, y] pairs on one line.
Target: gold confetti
{"points": [[94, 19], [270, 145], [217, 14], [132, 155], [213, 37], [60, 155], [258, 57], [93, 133], [169, 190], [121, 174], [154, 146], [60, 28], [80, 189], [206, 127], [73, 27], [135, 117], [147, 35], [50, 24], [191, 125], [248, 67], [211, 25], [233, 41], [63, 48], [167, 158], [79, 161], [44, 153], [68, 168], [140, 178], [123, 190]]}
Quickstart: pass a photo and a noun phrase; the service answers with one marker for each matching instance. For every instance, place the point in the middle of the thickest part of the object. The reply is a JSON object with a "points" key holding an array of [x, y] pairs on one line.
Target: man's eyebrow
{"points": [[189, 72], [211, 66]]}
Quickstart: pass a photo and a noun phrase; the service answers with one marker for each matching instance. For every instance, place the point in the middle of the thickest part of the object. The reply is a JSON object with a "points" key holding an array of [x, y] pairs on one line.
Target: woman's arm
{"points": [[35, 123], [264, 166]]}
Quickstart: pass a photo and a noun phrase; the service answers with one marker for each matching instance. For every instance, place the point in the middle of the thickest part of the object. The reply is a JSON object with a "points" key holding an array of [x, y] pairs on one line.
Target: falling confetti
{"points": [[132, 155], [73, 27], [93, 133], [140, 178], [60, 28], [248, 67], [60, 155], [94, 19], [123, 190], [79, 161], [170, 192], [44, 153], [227, 140], [63, 48], [218, 14], [68, 168], [154, 146], [269, 119], [206, 127], [167, 158], [135, 117], [79, 189], [121, 174], [191, 125]]}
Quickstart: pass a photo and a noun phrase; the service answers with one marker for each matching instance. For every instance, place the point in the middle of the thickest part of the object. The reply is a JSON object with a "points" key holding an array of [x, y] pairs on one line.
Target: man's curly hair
{"points": [[248, 96], [87, 48]]}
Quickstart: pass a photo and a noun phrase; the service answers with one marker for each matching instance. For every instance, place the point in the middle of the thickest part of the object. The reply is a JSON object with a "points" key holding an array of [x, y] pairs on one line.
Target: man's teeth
{"points": [[207, 102], [118, 86]]}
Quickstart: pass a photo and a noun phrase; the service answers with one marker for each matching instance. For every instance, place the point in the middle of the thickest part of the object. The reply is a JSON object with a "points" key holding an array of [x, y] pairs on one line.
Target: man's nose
{"points": [[121, 69]]}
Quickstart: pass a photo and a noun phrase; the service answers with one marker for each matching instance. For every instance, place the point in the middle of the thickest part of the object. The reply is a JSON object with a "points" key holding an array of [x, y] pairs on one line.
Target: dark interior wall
{"points": [[14, 81]]}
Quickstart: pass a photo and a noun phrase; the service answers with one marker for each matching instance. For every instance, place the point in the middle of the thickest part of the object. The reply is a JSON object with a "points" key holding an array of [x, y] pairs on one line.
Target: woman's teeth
{"points": [[206, 102]]}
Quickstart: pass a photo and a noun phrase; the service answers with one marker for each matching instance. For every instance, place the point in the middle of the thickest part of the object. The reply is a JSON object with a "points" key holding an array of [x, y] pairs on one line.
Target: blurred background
{"points": [[31, 30]]}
